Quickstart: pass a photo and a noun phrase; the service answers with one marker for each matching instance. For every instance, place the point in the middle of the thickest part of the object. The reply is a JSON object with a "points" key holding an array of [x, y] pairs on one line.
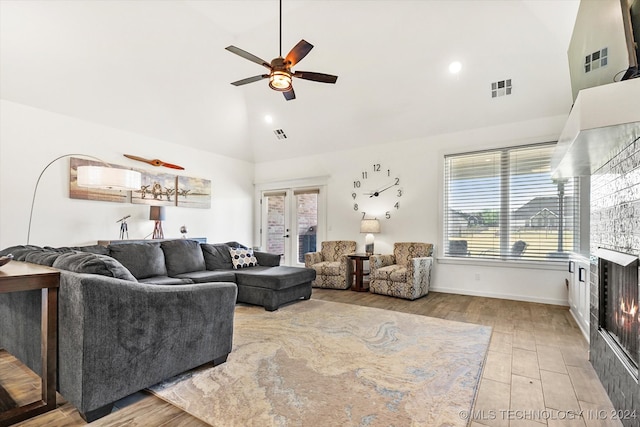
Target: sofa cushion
{"points": [[141, 259], [216, 256], [391, 273], [209, 276], [243, 258], [328, 268], [85, 262], [94, 249], [182, 256]]}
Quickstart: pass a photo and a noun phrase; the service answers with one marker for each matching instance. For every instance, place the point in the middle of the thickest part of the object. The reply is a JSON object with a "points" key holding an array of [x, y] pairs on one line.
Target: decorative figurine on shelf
{"points": [[184, 231], [124, 229]]}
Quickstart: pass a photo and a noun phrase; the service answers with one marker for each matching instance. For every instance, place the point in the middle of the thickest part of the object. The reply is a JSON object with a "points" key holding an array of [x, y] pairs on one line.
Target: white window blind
{"points": [[503, 204]]}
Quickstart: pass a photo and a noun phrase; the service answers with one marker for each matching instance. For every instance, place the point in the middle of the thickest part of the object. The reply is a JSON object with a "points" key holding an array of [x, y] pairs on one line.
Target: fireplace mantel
{"points": [[619, 258], [603, 120]]}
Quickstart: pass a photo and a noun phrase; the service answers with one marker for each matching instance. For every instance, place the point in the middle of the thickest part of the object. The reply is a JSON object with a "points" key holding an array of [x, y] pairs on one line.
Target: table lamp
{"points": [[369, 226], [157, 214]]}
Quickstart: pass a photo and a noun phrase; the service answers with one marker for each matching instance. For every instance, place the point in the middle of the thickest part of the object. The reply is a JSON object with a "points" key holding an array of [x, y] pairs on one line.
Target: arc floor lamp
{"points": [[105, 176]]}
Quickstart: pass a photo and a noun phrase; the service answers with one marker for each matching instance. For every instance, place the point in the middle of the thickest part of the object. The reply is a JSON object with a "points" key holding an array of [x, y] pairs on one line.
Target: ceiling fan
{"points": [[280, 74]]}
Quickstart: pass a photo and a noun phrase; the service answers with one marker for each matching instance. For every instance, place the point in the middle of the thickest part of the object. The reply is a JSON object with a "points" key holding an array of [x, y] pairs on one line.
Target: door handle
{"points": [[286, 235]]}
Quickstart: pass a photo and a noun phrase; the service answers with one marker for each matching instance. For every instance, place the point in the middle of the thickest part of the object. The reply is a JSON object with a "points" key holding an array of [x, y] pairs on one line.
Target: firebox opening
{"points": [[619, 299]]}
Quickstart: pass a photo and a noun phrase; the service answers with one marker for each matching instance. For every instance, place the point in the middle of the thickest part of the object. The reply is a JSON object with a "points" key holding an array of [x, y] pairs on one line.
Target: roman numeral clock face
{"points": [[376, 192]]}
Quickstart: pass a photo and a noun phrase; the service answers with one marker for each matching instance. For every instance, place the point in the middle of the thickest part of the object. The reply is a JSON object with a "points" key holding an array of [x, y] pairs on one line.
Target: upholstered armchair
{"points": [[405, 274], [333, 268]]}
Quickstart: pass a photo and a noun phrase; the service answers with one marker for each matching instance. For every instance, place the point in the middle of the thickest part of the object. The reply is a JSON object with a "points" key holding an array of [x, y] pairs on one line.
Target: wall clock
{"points": [[376, 191]]}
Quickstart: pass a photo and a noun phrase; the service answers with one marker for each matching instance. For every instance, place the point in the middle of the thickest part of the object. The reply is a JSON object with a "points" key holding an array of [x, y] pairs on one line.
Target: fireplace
{"points": [[618, 319]]}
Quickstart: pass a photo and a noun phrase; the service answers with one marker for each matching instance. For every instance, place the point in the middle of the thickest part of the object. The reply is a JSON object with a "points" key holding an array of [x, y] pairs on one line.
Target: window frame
{"points": [[506, 232]]}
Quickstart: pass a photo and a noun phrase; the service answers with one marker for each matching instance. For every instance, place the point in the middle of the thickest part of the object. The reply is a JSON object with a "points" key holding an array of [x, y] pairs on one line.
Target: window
{"points": [[504, 204]]}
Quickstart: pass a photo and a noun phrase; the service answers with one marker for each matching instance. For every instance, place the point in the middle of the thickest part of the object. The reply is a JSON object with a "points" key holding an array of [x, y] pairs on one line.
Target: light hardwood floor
{"points": [[536, 373]]}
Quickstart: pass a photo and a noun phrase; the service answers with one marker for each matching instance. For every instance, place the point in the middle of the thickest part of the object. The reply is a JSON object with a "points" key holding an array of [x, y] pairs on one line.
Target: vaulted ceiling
{"points": [[159, 68]]}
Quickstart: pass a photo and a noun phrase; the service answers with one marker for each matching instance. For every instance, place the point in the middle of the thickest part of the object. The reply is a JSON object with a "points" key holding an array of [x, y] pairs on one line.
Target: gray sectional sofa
{"points": [[133, 314]]}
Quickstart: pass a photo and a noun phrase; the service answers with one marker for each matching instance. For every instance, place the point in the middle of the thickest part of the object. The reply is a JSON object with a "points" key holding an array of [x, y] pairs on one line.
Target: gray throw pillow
{"points": [[19, 252], [84, 262], [217, 256], [143, 260], [182, 256], [42, 257]]}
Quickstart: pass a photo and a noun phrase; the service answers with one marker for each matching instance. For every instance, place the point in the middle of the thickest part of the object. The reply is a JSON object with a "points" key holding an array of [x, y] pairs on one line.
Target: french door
{"points": [[289, 222]]}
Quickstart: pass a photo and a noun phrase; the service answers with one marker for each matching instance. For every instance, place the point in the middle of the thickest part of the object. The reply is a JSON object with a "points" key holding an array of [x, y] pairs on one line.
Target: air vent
{"points": [[280, 134], [501, 88], [597, 59]]}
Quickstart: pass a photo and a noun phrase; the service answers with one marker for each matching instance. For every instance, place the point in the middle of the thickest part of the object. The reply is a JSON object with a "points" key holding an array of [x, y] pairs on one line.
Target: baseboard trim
{"points": [[475, 293], [584, 333]]}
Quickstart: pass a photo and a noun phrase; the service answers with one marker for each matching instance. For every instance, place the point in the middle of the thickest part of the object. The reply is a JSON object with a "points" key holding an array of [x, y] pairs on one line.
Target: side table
{"points": [[21, 276], [360, 275]]}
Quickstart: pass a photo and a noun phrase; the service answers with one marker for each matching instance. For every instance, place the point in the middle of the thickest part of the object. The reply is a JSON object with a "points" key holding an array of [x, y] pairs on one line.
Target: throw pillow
{"points": [[242, 258], [42, 257]]}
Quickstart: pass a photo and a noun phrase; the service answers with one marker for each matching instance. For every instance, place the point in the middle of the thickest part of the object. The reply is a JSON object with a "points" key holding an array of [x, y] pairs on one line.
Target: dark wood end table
{"points": [[360, 275], [21, 276]]}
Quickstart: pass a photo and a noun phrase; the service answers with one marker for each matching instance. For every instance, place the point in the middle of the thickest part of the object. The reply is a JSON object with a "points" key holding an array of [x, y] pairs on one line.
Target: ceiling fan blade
{"points": [[249, 56], [298, 52], [289, 95], [316, 77], [250, 80]]}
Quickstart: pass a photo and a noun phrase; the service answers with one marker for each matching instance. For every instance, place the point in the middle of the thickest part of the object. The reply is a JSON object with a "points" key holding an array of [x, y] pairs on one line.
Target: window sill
{"points": [[560, 265]]}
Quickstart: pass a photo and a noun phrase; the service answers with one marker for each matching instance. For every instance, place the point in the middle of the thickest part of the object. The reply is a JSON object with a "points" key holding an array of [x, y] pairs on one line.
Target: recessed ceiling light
{"points": [[268, 119], [455, 67]]}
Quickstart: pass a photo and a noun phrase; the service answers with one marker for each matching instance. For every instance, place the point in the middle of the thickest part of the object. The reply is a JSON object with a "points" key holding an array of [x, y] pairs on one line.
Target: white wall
{"points": [[418, 163], [30, 138]]}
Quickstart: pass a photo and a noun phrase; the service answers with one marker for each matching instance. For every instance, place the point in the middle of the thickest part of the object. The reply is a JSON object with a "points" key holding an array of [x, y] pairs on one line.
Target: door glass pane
{"points": [[275, 223], [306, 222]]}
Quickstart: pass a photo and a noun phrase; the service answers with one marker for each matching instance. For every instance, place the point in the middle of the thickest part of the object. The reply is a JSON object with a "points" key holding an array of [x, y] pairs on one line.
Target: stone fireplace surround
{"points": [[615, 225]]}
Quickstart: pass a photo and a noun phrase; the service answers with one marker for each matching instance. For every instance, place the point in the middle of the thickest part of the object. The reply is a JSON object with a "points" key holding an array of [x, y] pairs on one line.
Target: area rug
{"points": [[320, 363]]}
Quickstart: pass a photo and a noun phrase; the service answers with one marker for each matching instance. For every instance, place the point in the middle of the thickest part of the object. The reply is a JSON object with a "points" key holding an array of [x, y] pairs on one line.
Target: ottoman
{"points": [[271, 287]]}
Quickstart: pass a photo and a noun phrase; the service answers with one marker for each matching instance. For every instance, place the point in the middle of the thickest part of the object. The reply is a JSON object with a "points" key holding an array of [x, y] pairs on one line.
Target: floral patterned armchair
{"points": [[405, 274], [333, 268]]}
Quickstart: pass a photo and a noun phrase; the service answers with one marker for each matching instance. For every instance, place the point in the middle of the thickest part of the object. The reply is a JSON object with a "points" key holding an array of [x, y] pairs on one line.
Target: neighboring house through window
{"points": [[504, 204]]}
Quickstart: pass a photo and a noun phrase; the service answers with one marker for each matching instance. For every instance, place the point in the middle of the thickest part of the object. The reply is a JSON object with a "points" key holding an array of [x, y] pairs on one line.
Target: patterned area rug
{"points": [[320, 363]]}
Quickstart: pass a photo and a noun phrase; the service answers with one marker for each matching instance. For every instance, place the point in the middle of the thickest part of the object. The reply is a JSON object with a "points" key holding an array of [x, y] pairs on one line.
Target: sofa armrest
{"points": [[379, 261], [267, 259], [118, 337], [311, 258]]}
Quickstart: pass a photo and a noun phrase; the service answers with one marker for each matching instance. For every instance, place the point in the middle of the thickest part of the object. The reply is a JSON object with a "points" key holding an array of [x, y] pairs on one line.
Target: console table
{"points": [[360, 275], [21, 276]]}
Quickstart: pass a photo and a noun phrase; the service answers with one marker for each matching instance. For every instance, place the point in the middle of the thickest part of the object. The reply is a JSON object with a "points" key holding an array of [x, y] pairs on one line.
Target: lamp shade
{"points": [[369, 226], [108, 177], [156, 213]]}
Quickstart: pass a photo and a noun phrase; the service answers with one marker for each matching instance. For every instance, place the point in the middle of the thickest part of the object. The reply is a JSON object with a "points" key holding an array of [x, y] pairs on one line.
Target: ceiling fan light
{"points": [[280, 81]]}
